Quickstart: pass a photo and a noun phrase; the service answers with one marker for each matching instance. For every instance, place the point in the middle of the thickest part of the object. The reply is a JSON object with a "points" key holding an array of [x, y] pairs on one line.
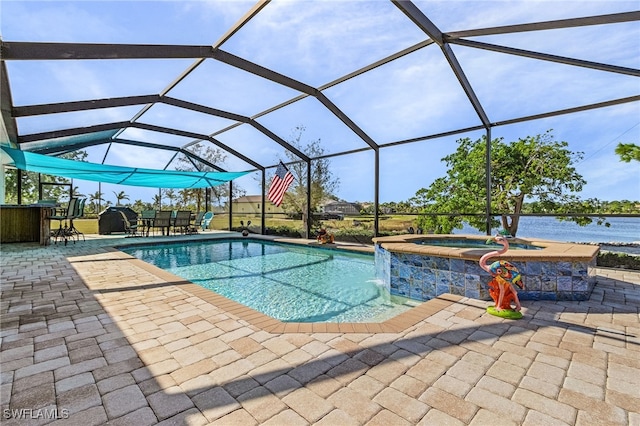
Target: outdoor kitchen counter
{"points": [[24, 223]]}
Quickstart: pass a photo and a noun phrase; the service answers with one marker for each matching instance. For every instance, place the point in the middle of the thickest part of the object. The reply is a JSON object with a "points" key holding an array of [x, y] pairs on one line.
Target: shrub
{"points": [[618, 260], [283, 231]]}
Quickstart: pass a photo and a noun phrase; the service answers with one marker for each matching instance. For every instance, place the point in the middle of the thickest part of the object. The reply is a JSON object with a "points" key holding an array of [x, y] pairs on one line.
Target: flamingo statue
{"points": [[501, 287]]}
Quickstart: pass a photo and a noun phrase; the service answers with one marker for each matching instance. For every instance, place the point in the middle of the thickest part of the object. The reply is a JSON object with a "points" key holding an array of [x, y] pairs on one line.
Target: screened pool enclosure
{"points": [[386, 87]]}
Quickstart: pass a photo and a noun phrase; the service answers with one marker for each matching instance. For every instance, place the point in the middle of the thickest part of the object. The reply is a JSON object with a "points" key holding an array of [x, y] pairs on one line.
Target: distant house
{"points": [[342, 207], [252, 204]]}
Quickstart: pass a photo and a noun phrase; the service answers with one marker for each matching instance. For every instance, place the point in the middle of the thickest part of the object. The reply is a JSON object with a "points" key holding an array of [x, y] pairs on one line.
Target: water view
{"points": [[622, 230]]}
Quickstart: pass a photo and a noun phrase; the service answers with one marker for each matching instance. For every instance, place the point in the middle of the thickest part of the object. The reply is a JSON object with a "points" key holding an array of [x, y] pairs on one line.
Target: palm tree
{"points": [[157, 201], [96, 196], [120, 196], [171, 195], [75, 192]]}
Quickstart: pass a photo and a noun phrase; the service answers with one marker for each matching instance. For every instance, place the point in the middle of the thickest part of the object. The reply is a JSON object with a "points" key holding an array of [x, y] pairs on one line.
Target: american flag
{"points": [[279, 184]]}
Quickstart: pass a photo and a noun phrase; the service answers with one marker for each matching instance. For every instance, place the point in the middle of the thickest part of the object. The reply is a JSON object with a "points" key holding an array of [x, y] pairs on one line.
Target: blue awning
{"points": [[133, 176]]}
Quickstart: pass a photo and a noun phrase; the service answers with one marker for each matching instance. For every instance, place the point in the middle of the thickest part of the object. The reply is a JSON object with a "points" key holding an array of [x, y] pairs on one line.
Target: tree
{"points": [[30, 181], [185, 197], [120, 196], [95, 201], [323, 184], [398, 207], [196, 196], [628, 152], [536, 166], [157, 201], [75, 192], [139, 205], [170, 194]]}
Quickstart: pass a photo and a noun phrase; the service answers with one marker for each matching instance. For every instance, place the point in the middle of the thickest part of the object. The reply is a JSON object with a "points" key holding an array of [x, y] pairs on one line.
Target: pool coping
{"points": [[399, 323]]}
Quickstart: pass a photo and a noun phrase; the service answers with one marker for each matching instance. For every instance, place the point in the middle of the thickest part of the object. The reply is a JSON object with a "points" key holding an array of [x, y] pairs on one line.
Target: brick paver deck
{"points": [[90, 337]]}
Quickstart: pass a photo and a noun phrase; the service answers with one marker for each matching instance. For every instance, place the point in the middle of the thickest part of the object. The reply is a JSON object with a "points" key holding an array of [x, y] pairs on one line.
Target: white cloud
{"points": [[316, 42]]}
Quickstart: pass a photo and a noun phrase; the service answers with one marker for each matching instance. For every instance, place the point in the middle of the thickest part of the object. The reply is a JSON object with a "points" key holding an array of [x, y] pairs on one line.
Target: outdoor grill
{"points": [[110, 220]]}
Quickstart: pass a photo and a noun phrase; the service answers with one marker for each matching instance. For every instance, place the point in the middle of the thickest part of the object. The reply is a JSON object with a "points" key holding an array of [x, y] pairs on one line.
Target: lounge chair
{"points": [[206, 220]]}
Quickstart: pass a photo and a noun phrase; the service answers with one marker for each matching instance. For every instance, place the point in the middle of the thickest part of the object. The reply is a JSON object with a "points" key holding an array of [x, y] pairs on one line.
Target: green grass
{"points": [[221, 222], [86, 226], [365, 223]]}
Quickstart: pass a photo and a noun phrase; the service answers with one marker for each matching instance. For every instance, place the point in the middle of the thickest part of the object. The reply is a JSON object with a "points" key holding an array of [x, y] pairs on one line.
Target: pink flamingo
{"points": [[505, 275]]}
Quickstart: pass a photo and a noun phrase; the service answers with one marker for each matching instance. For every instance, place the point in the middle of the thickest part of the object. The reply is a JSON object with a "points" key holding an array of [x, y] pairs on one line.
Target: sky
{"points": [[316, 42]]}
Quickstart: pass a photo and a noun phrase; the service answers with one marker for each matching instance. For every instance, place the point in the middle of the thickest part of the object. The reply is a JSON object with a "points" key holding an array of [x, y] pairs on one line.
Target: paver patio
{"points": [[90, 335]]}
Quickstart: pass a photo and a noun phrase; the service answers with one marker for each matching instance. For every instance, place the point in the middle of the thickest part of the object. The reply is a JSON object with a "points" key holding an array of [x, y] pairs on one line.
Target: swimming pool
{"points": [[288, 282]]}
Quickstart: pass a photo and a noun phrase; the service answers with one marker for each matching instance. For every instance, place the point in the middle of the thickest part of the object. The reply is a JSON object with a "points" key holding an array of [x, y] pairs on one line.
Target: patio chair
{"points": [[78, 212], [182, 222], [66, 216], [130, 228], [197, 223], [147, 218], [162, 220], [206, 220]]}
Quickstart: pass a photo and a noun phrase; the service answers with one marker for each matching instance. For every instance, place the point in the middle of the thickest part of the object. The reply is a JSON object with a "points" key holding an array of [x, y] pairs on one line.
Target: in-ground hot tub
{"points": [[424, 266]]}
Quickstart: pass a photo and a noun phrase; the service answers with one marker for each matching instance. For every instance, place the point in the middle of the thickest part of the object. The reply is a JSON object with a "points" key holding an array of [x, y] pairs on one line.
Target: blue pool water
{"points": [[287, 282]]}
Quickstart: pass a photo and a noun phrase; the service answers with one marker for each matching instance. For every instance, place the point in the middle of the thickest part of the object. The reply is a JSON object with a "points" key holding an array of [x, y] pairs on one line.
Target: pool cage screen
{"points": [[432, 39]]}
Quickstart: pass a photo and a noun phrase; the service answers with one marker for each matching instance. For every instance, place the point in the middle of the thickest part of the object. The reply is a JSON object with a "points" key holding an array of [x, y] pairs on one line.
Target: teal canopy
{"points": [[133, 176]]}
